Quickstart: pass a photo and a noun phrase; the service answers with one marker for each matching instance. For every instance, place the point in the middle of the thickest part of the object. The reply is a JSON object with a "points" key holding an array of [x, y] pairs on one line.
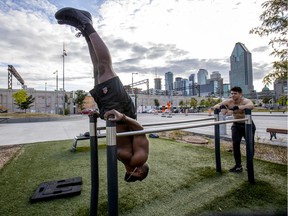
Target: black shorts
{"points": [[112, 95]]}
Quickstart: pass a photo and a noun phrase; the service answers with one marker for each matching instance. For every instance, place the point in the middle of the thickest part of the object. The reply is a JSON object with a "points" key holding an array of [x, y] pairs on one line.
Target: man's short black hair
{"points": [[236, 89]]}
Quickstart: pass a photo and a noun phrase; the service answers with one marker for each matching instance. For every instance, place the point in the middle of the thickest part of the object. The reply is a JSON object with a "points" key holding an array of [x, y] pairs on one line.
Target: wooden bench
{"points": [[273, 132], [283, 111], [2, 119], [86, 136]]}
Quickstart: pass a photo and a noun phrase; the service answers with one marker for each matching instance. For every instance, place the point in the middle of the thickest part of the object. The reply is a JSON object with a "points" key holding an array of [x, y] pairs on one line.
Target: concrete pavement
{"points": [[31, 132]]}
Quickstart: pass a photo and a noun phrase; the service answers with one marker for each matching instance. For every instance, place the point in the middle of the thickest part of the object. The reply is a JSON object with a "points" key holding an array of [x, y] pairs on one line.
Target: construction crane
{"points": [[12, 71], [140, 83]]}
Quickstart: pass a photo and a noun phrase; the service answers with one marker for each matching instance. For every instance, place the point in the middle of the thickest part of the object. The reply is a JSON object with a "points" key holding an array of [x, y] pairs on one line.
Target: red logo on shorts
{"points": [[105, 90]]}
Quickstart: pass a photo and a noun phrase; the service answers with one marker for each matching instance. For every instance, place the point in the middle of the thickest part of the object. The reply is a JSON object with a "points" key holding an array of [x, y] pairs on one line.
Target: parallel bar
{"points": [[217, 141], [177, 122], [154, 130], [249, 146], [166, 123], [112, 173], [94, 165]]}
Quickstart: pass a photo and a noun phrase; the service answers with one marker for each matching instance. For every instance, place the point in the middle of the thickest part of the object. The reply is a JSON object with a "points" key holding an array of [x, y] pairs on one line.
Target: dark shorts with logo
{"points": [[112, 95]]}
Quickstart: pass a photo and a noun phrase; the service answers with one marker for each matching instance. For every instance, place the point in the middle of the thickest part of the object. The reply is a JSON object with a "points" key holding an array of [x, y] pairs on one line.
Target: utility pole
{"points": [[63, 55], [57, 105]]}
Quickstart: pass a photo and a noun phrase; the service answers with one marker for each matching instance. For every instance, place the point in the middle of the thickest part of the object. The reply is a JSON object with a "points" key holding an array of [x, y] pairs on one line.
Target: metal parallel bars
{"points": [[112, 172], [94, 165], [249, 146], [177, 127], [217, 141], [166, 123]]}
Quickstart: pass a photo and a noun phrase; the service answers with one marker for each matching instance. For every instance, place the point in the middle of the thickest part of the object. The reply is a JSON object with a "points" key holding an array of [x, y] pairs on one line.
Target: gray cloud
{"points": [[260, 49]]}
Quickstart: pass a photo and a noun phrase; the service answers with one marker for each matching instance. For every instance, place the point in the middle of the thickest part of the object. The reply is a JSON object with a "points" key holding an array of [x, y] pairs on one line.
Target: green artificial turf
{"points": [[182, 181]]}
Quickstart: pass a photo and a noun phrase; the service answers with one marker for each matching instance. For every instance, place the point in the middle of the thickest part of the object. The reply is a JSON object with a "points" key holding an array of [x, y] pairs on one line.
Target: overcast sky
{"points": [[150, 37]]}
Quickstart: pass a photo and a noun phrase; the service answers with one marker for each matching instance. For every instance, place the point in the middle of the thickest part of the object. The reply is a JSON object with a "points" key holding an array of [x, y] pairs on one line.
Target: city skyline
{"points": [[189, 35]]}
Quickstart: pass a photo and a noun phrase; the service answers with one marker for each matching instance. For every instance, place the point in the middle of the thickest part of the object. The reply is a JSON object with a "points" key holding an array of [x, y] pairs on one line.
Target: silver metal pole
{"points": [[167, 123], [249, 146], [154, 130], [63, 55], [217, 141], [57, 108], [112, 173], [94, 165]]}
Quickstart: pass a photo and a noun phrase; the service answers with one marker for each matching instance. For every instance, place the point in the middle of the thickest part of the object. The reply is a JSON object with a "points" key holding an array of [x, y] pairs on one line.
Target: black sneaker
{"points": [[236, 169], [74, 17], [76, 25]]}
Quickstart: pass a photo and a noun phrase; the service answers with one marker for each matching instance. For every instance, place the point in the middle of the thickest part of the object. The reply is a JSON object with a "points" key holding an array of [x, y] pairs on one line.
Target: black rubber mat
{"points": [[57, 189]]}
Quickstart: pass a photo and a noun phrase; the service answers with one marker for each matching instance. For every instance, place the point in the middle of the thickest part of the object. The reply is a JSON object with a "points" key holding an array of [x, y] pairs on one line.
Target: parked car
{"points": [[3, 109], [86, 111]]}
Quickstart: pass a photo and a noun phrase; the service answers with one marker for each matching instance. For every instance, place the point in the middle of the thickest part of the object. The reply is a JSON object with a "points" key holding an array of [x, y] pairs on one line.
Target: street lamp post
{"points": [[45, 97], [133, 82], [135, 98], [56, 108], [63, 55]]}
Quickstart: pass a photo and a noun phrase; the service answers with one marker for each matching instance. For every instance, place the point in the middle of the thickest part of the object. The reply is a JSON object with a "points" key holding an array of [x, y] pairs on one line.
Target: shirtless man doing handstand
{"points": [[111, 97]]}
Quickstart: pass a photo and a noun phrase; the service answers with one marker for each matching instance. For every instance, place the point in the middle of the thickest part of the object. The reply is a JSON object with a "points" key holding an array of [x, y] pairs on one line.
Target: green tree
{"points": [[156, 103], [266, 100], [274, 23], [22, 100], [193, 103], [203, 103], [282, 100], [181, 104], [80, 97], [212, 101]]}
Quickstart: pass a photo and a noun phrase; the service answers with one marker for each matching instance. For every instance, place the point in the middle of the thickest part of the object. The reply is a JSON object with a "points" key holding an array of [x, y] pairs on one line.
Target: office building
{"points": [[168, 81], [178, 84], [280, 87], [202, 76], [218, 83], [226, 90], [192, 90], [157, 83], [241, 69]]}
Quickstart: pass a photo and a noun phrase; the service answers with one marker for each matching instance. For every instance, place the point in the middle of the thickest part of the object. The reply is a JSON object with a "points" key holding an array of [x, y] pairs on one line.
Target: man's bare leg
{"points": [[103, 58], [94, 60]]}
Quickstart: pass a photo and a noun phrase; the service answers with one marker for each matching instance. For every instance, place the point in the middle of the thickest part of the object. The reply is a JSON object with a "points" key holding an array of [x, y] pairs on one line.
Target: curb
{"points": [[26, 120]]}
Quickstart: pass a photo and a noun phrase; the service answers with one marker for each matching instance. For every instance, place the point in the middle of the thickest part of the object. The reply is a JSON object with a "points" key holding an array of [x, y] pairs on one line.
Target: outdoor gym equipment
{"points": [[111, 135]]}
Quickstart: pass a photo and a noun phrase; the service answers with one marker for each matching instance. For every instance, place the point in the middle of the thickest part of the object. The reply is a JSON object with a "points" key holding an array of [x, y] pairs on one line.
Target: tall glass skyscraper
{"points": [[168, 81], [241, 68], [157, 83], [202, 76]]}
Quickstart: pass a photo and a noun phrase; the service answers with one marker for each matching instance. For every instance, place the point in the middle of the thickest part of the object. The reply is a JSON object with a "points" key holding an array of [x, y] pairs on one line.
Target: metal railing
{"points": [[111, 134]]}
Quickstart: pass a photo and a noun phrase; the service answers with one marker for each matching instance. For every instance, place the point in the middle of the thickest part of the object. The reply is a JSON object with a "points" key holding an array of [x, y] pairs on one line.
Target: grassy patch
{"points": [[28, 115], [182, 181]]}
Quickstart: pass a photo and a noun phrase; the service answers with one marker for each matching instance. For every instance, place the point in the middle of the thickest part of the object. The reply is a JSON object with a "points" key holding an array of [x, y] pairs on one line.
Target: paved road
{"points": [[22, 133]]}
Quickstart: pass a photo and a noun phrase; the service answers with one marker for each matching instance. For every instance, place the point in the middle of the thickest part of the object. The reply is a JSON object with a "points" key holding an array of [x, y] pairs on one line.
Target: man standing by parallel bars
{"points": [[236, 105]]}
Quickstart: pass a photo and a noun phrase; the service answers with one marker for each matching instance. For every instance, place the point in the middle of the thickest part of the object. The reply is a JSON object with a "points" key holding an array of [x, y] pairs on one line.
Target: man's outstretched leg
{"points": [[99, 52], [109, 93]]}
